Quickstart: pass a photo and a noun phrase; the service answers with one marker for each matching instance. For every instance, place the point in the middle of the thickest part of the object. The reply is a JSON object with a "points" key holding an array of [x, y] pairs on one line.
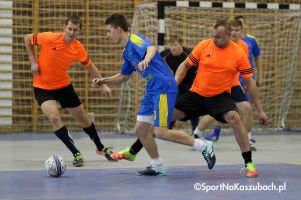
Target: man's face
{"points": [[176, 48], [114, 33], [220, 37], [236, 33], [71, 31]]}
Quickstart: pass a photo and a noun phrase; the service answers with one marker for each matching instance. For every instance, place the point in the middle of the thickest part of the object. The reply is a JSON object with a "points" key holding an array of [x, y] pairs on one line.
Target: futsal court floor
{"points": [[23, 175]]}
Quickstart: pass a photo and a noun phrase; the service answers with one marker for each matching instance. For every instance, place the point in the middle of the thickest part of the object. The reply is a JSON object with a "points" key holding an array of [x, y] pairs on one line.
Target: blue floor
{"points": [[124, 184]]}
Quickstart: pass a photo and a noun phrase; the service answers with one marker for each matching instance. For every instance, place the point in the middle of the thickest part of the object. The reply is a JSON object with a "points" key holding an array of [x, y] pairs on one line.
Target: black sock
{"points": [[136, 147], [92, 132], [247, 156], [63, 135]]}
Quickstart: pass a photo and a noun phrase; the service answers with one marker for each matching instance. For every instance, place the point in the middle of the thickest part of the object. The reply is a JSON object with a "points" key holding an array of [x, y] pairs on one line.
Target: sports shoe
{"points": [[209, 155], [152, 171], [124, 154], [107, 153], [196, 136], [78, 160], [249, 170]]}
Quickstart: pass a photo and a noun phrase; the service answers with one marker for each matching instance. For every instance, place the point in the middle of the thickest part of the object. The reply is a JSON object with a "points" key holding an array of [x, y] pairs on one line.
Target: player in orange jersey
{"points": [[52, 84], [219, 60], [237, 93]]}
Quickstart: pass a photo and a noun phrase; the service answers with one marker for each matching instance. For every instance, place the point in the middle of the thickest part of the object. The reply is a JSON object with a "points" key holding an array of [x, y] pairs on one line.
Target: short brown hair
{"points": [[117, 20], [176, 38], [224, 23], [235, 23], [74, 20]]}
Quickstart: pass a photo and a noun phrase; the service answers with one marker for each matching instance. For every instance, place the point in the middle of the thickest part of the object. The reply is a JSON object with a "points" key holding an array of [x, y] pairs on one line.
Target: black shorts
{"points": [[238, 94], [66, 96], [195, 105]]}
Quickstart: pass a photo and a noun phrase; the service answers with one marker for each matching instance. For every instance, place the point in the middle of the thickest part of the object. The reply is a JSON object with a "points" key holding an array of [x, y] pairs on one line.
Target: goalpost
{"points": [[277, 30]]}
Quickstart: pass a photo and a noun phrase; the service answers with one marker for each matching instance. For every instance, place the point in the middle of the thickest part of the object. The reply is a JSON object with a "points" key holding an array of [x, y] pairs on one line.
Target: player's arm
{"points": [[258, 63], [31, 54], [94, 73], [117, 79], [252, 89], [182, 71], [150, 53]]}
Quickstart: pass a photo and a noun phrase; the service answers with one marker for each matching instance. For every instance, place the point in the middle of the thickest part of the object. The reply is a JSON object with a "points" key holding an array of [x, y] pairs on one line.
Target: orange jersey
{"points": [[217, 67], [244, 46], [56, 57]]}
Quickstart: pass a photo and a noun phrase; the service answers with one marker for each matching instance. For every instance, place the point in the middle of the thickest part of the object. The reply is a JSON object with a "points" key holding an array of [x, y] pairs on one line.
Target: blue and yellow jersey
{"points": [[253, 46], [159, 78]]}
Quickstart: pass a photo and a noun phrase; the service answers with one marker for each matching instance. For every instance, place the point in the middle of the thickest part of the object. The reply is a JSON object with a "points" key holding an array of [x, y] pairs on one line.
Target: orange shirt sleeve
{"points": [[244, 46], [244, 66], [195, 54], [40, 38], [83, 57]]}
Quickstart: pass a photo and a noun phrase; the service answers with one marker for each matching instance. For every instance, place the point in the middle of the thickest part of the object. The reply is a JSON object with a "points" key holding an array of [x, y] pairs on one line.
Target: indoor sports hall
{"points": [[27, 139]]}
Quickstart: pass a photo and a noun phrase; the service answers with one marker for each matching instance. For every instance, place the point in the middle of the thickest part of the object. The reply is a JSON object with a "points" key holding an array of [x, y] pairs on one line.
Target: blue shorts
{"points": [[160, 106]]}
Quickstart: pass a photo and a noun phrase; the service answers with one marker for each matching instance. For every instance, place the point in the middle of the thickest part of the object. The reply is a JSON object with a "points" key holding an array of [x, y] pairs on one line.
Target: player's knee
{"points": [[54, 119], [232, 117], [84, 120], [140, 130], [245, 109], [161, 133]]}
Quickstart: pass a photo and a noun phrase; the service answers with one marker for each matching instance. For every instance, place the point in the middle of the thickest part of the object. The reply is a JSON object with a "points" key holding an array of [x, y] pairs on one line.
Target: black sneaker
{"points": [[152, 171], [78, 160], [107, 153]]}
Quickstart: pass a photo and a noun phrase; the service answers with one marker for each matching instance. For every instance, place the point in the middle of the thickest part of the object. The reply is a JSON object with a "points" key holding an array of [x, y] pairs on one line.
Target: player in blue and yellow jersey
{"points": [[254, 52], [156, 107]]}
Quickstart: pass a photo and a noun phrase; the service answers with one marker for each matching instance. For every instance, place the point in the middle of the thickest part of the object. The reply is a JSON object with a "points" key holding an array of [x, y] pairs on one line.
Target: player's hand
{"points": [[35, 68], [143, 64], [262, 118], [97, 82], [106, 90]]}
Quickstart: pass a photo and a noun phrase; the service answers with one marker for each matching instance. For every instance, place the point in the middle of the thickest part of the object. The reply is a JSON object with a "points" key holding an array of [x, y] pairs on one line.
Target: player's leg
{"points": [[164, 105], [233, 119], [203, 124], [129, 153], [194, 123], [147, 139], [228, 112], [245, 110], [73, 105], [49, 106]]}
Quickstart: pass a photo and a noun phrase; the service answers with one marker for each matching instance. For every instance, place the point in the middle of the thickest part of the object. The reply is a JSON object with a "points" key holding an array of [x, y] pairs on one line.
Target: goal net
{"points": [[277, 30]]}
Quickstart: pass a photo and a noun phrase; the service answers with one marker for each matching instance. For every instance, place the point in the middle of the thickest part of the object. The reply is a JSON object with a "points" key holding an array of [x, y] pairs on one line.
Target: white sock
{"points": [[157, 162], [199, 145], [197, 132], [249, 135]]}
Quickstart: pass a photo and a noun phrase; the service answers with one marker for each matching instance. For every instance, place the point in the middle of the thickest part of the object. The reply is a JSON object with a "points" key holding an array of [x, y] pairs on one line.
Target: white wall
{"points": [[6, 61]]}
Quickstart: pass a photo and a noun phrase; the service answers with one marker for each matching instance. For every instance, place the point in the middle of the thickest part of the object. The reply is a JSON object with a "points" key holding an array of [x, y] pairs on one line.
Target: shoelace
{"points": [[206, 154]]}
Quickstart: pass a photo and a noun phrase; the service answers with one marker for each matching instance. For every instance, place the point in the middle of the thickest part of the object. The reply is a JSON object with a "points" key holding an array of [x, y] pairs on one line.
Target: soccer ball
{"points": [[55, 165]]}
